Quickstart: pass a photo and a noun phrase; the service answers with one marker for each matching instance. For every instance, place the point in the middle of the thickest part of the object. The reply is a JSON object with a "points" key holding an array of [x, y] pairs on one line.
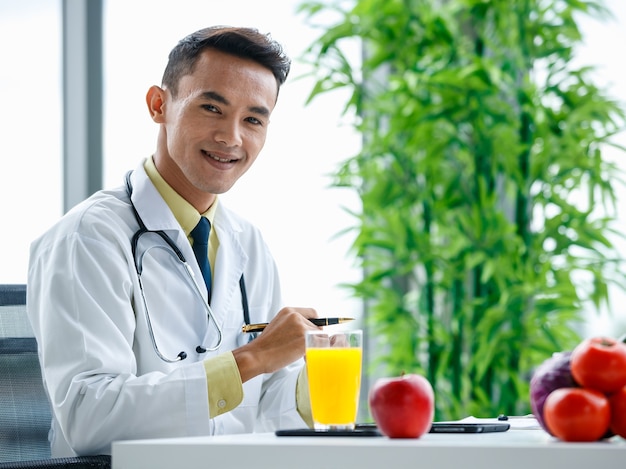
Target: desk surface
{"points": [[514, 449]]}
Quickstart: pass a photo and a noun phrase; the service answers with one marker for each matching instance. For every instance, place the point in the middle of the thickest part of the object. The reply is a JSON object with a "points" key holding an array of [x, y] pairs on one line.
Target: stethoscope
{"points": [[178, 255]]}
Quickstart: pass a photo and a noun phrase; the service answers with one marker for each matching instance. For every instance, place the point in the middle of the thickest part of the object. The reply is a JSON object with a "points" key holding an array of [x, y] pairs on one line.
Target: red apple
{"points": [[600, 363], [402, 407]]}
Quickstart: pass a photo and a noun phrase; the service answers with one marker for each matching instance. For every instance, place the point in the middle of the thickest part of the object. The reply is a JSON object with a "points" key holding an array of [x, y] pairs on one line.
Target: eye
{"points": [[210, 108], [254, 120]]}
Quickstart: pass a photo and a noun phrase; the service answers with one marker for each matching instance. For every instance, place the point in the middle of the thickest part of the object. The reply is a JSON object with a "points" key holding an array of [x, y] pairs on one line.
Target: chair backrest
{"points": [[25, 415], [24, 410]]}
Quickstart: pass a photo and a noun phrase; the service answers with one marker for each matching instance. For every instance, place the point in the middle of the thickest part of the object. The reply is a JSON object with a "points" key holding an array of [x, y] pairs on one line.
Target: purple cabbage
{"points": [[554, 373]]}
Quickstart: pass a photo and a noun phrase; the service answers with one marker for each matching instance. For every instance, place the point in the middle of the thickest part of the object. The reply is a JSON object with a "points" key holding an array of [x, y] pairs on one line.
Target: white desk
{"points": [[515, 449]]}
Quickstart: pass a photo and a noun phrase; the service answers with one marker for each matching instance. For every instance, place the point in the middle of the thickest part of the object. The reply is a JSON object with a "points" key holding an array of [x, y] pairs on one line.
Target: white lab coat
{"points": [[104, 379]]}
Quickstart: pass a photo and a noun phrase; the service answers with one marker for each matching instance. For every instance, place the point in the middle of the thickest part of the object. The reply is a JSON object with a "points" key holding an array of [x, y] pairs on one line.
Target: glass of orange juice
{"points": [[333, 363]]}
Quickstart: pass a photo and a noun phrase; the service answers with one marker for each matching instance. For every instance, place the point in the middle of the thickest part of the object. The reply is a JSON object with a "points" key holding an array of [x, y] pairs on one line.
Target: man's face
{"points": [[213, 130]]}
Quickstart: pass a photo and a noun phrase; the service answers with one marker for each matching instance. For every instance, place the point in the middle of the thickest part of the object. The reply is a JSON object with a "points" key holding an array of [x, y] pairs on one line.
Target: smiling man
{"points": [[137, 309]]}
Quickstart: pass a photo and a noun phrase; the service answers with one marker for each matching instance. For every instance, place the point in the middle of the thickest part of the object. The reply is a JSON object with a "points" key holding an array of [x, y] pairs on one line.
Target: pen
{"points": [[317, 321]]}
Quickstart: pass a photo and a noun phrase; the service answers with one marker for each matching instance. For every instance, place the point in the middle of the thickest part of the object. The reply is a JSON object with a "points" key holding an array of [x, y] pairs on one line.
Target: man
{"points": [[129, 346]]}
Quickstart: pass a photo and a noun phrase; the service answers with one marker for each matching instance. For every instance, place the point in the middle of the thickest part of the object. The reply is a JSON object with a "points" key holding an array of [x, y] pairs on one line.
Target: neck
{"points": [[172, 174]]}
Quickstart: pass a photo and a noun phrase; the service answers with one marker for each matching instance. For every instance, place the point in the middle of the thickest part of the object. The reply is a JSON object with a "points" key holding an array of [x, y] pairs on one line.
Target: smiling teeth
{"points": [[217, 158]]}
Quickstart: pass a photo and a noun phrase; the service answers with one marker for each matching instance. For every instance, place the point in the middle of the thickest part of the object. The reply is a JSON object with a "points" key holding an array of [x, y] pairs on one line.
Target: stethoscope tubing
{"points": [[138, 261]]}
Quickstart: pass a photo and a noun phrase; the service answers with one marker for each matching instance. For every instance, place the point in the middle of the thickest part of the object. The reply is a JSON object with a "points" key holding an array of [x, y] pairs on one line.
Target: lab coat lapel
{"points": [[229, 265]]}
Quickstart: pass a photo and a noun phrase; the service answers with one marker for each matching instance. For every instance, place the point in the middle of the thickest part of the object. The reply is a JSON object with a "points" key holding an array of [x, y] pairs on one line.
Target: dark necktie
{"points": [[200, 236]]}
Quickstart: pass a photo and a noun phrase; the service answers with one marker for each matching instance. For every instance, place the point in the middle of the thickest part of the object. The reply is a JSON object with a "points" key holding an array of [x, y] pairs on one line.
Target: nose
{"points": [[228, 133]]}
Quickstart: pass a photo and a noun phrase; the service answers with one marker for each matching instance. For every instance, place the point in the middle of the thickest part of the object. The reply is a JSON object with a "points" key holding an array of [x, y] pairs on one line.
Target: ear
{"points": [[155, 99]]}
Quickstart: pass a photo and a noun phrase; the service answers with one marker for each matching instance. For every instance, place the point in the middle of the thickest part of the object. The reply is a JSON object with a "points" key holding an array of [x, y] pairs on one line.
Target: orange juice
{"points": [[334, 383]]}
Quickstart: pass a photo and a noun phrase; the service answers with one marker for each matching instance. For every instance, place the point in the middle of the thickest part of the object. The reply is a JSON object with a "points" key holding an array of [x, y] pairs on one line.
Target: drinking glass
{"points": [[333, 361]]}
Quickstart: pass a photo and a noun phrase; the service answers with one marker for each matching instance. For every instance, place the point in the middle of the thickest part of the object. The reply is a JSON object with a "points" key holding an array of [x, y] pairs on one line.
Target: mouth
{"points": [[218, 158]]}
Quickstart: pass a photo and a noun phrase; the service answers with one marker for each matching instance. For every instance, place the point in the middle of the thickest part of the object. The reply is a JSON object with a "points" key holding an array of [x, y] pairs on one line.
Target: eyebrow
{"points": [[215, 96]]}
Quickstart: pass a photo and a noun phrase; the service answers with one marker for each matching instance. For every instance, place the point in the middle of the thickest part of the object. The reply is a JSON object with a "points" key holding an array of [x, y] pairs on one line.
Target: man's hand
{"points": [[280, 343]]}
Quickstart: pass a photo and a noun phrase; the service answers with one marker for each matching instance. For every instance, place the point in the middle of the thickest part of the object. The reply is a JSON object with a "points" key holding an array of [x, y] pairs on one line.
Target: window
{"points": [[285, 193], [601, 51], [30, 125]]}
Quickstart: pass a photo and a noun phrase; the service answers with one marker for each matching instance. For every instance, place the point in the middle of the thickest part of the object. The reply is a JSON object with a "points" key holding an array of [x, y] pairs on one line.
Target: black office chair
{"points": [[24, 408]]}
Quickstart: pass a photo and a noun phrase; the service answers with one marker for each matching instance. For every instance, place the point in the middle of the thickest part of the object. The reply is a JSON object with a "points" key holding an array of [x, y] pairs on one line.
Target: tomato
{"points": [[600, 363], [618, 412], [577, 414]]}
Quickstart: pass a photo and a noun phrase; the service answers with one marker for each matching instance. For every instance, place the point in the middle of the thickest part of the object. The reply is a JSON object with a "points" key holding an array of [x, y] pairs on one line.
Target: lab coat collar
{"points": [[156, 214], [151, 207], [230, 261]]}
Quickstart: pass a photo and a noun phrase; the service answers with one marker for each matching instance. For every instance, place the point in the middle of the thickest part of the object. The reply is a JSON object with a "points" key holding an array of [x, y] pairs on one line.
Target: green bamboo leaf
{"points": [[487, 202]]}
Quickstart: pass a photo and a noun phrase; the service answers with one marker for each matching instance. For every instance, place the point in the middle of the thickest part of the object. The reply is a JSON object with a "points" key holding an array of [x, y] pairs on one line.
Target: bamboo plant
{"points": [[486, 200]]}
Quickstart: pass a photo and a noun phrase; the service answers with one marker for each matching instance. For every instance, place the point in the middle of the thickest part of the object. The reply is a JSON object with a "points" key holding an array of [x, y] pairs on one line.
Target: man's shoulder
{"points": [[103, 211]]}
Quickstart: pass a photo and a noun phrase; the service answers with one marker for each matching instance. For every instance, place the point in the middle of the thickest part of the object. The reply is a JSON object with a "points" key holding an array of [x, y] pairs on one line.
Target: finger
{"points": [[308, 313]]}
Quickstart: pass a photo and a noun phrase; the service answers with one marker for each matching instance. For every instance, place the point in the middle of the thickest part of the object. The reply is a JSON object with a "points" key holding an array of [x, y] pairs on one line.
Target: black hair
{"points": [[247, 43]]}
